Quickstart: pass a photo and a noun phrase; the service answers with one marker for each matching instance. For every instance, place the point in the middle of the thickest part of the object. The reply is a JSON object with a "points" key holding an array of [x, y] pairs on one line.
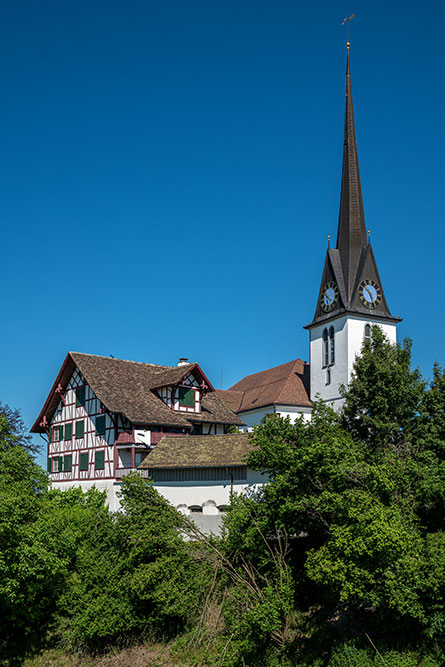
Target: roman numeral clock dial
{"points": [[369, 293], [329, 297]]}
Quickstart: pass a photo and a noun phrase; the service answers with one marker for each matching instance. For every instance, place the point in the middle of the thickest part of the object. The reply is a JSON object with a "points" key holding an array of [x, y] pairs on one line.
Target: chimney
{"points": [[183, 361]]}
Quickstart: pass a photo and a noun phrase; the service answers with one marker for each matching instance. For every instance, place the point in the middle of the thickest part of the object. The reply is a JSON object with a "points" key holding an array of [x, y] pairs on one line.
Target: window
{"points": [[186, 397], [100, 425], [325, 348], [68, 431], [57, 464], [57, 433], [197, 429], [83, 463], [332, 344], [328, 376], [79, 429], [67, 462], [99, 461], [80, 396], [367, 333], [195, 509]]}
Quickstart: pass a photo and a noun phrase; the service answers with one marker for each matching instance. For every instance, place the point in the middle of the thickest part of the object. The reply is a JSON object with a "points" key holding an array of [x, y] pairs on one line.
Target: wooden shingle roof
{"points": [[200, 451], [287, 384], [129, 388]]}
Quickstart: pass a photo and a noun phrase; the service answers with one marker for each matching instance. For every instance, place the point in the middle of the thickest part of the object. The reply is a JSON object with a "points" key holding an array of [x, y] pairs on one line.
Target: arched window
{"points": [[367, 333], [325, 348], [332, 345]]}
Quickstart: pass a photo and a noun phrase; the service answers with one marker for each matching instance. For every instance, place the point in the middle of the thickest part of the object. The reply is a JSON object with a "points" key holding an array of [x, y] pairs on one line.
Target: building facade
{"points": [[104, 415]]}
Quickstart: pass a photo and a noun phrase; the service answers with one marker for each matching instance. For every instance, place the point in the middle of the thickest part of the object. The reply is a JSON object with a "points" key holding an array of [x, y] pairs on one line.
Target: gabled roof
{"points": [[287, 384], [129, 388], [200, 451]]}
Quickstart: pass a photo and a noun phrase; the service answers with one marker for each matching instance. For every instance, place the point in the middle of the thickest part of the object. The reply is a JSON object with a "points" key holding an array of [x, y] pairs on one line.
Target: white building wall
{"points": [[253, 417], [349, 335], [208, 495]]}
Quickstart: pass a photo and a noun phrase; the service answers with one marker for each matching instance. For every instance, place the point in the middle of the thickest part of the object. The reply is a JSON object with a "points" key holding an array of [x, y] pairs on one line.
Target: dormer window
{"points": [[186, 397]]}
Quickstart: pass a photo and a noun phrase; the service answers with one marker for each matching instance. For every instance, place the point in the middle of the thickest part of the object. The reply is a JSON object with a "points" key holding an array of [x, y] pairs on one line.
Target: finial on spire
{"points": [[346, 21], [329, 240], [369, 236]]}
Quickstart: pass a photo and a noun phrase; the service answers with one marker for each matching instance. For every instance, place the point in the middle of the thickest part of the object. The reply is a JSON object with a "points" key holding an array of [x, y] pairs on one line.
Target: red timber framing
{"points": [[88, 442], [177, 396], [81, 415]]}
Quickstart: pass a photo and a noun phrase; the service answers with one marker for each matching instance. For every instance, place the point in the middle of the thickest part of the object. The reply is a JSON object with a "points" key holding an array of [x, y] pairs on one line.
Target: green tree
{"points": [[384, 395], [16, 427], [360, 495]]}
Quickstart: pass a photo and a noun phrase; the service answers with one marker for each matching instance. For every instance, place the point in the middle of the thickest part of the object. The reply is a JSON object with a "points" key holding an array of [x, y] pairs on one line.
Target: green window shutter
{"points": [[83, 461], [100, 425], [67, 462], [186, 397], [59, 464], [49, 464], [99, 462], [68, 431], [79, 429], [50, 434], [60, 429], [80, 396]]}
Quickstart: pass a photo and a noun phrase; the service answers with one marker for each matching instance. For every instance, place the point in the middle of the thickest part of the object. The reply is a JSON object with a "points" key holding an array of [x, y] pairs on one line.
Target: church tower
{"points": [[351, 296]]}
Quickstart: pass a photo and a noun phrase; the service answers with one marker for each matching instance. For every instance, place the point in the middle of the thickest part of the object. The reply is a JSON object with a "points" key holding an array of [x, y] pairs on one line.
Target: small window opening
{"points": [[195, 509], [367, 333], [328, 376], [332, 345], [325, 348]]}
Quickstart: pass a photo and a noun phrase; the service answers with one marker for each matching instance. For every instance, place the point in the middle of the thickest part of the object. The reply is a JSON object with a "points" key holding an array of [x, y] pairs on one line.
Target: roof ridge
{"points": [[127, 361], [267, 370]]}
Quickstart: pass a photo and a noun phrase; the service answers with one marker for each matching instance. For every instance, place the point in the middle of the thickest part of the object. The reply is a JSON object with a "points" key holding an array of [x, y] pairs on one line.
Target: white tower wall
{"points": [[349, 332]]}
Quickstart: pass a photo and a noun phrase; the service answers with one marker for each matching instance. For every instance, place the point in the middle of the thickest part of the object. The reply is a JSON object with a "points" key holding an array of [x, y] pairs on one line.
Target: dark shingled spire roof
{"points": [[351, 235], [352, 261]]}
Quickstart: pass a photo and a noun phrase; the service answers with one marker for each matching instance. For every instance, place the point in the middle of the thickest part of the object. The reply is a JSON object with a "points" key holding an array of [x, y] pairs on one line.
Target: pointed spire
{"points": [[351, 235]]}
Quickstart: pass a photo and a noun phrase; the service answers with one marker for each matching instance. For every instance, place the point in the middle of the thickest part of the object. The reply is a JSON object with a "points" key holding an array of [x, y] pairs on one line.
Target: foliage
{"points": [[361, 496], [133, 574], [16, 427], [338, 560], [384, 395]]}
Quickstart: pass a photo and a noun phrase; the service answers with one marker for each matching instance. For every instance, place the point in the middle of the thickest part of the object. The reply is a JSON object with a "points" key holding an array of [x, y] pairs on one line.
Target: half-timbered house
{"points": [[103, 415]]}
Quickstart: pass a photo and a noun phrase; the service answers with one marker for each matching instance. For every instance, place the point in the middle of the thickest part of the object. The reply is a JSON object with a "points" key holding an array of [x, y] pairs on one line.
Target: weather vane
{"points": [[347, 20]]}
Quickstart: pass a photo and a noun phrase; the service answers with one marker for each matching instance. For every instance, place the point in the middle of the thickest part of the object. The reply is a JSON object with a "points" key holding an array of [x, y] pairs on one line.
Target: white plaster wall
{"points": [[200, 493], [255, 416], [349, 336], [182, 495]]}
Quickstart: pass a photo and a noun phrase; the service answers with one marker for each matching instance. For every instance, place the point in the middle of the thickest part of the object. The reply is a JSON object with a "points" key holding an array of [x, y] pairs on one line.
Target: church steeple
{"points": [[350, 282], [351, 235]]}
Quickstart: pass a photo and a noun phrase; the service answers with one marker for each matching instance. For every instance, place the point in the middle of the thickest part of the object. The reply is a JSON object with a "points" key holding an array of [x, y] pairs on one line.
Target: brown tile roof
{"points": [[199, 451], [126, 387], [287, 384]]}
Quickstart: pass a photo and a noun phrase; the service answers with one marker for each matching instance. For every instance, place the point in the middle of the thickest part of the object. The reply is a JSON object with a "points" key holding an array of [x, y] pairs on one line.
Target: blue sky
{"points": [[170, 172]]}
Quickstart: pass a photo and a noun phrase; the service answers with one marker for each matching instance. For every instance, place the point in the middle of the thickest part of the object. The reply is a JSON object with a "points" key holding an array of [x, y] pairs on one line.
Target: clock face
{"points": [[370, 293], [329, 297]]}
